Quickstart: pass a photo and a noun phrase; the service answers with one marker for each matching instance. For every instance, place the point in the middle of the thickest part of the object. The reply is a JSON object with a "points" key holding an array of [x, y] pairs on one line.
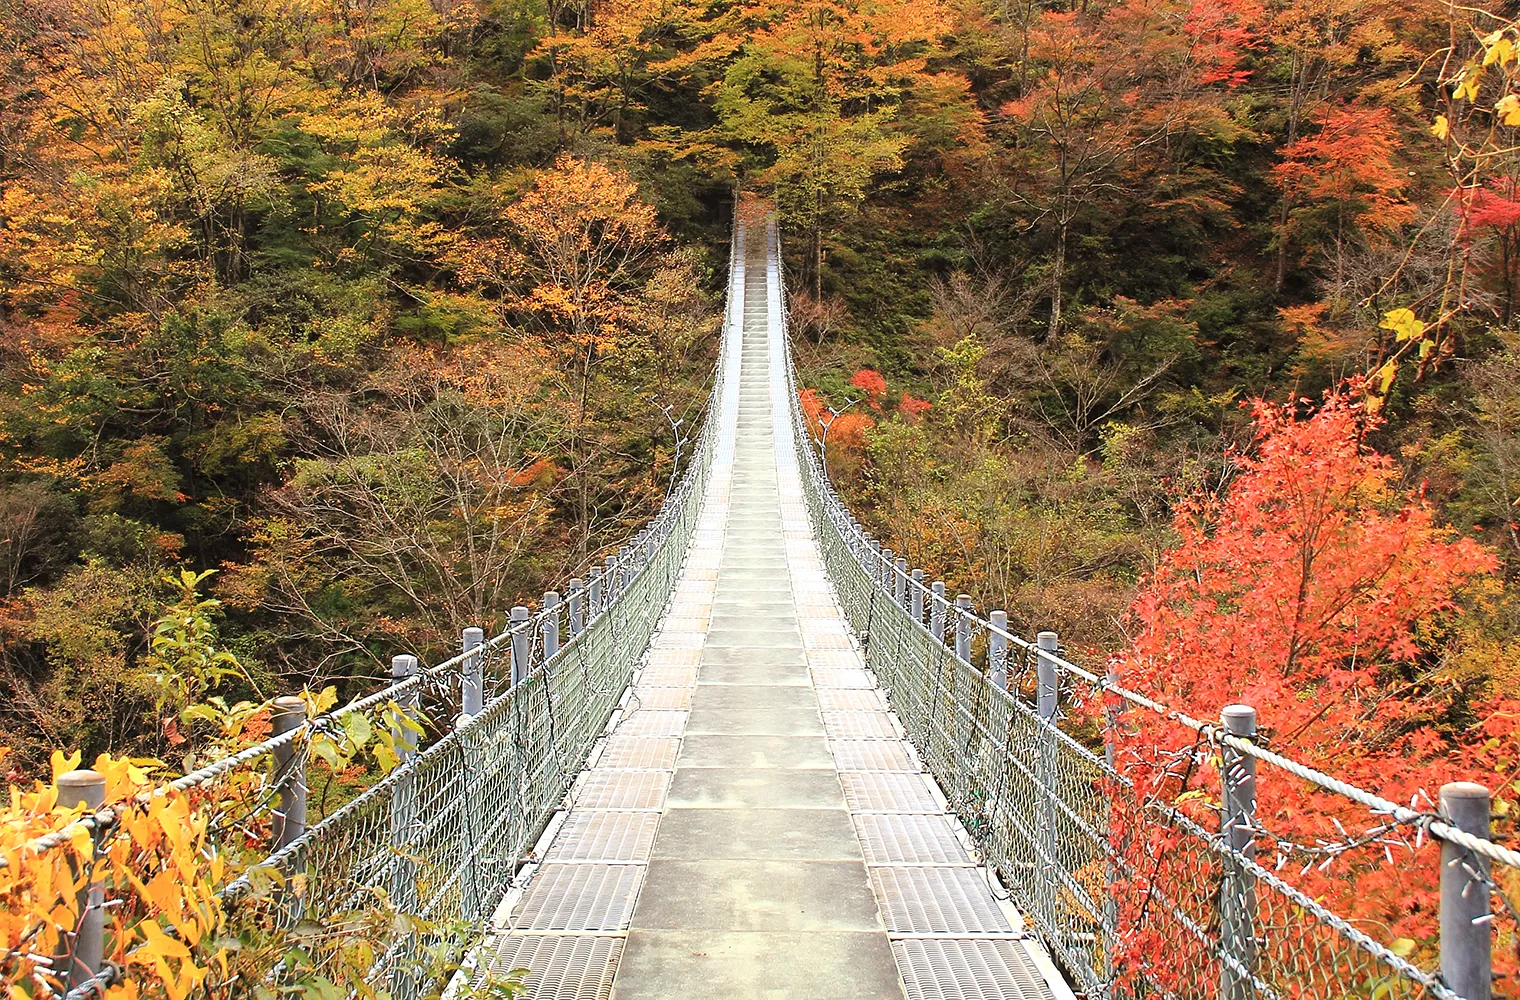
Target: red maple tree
{"points": [[1309, 589]]}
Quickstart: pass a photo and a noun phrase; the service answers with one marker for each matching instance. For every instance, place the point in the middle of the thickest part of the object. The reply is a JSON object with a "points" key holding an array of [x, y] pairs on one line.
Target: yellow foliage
{"points": [[1467, 87], [155, 862], [1403, 324], [1508, 109]]}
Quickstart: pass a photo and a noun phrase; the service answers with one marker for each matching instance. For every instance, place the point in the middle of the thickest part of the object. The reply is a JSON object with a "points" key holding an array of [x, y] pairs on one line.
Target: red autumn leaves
{"points": [[847, 426], [1315, 587]]}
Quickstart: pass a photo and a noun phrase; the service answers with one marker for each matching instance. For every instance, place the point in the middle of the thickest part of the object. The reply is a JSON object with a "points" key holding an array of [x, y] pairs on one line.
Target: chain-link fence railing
{"points": [[384, 890], [1134, 846]]}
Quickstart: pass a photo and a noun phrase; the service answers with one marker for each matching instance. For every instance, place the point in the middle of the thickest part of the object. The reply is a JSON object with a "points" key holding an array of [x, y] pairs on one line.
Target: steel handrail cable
{"points": [[1377, 804], [104, 819], [856, 540]]}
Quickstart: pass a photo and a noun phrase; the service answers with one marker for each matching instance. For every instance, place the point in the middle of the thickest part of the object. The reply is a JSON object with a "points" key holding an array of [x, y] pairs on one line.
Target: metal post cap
{"points": [[519, 614], [82, 787], [1238, 719], [1463, 790]]}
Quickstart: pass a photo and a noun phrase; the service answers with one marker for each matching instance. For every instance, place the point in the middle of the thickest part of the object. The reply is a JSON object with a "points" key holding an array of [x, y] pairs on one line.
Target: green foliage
{"points": [[183, 656]]}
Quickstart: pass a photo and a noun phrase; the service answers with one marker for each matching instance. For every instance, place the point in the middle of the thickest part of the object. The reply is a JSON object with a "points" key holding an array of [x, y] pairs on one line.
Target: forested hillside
{"points": [[1186, 328], [376, 309]]}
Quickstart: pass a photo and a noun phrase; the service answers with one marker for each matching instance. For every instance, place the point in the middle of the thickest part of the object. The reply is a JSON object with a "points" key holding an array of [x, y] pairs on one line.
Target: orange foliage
{"points": [[1305, 591], [156, 862], [1351, 162], [912, 408]]}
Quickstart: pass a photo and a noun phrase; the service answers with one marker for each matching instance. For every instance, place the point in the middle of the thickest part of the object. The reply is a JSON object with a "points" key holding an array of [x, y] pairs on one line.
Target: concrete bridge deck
{"points": [[755, 825]]}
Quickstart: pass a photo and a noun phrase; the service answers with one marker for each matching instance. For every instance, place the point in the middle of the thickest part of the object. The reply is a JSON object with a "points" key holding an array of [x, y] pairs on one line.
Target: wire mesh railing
{"points": [[382, 893], [1129, 834]]}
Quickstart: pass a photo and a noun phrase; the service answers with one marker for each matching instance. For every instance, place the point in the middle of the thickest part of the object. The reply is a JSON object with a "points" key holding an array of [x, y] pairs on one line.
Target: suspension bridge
{"points": [[755, 754]]}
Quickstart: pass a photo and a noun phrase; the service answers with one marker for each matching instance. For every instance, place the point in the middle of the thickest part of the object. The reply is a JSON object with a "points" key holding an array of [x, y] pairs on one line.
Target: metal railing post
{"points": [[403, 797], [551, 625], [900, 583], [997, 650], [594, 594], [471, 703], [873, 564], [1467, 932], [1047, 705], [472, 686], [937, 607], [402, 667], [577, 609], [916, 599], [85, 945], [522, 644], [1047, 693], [1237, 819], [1110, 940], [289, 823], [963, 627]]}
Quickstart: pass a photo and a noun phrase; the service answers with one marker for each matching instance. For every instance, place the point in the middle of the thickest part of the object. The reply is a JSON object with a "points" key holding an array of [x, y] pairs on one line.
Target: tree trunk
{"points": [[1059, 277]]}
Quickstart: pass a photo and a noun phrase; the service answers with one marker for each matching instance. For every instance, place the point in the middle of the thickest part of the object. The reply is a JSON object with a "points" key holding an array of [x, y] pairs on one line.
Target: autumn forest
{"points": [[1185, 327]]}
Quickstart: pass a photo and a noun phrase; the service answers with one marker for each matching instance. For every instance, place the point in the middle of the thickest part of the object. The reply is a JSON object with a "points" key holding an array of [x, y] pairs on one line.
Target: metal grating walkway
{"points": [[755, 825]]}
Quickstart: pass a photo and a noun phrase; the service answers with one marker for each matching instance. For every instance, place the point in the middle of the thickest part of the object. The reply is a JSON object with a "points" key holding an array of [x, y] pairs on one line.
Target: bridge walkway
{"points": [[755, 825]]}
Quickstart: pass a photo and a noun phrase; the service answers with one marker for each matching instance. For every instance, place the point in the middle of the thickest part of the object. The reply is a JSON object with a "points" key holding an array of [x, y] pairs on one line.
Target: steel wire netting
{"points": [[417, 863], [414, 866], [1109, 838]]}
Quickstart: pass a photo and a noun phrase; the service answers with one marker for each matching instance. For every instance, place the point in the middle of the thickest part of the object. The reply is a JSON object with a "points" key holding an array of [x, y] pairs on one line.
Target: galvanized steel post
{"points": [[1467, 931], [997, 650], [472, 686], [1046, 705], [402, 667], [873, 564], [522, 644], [1111, 879], [1237, 901], [85, 946], [1046, 677], [471, 703], [594, 594], [577, 609], [289, 772], [403, 797], [916, 599], [886, 569], [551, 624], [963, 627], [937, 607], [900, 583], [612, 584]]}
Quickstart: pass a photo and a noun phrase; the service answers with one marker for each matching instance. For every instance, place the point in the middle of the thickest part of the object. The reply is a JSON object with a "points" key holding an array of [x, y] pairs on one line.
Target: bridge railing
{"points": [[1127, 832], [398, 879]]}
